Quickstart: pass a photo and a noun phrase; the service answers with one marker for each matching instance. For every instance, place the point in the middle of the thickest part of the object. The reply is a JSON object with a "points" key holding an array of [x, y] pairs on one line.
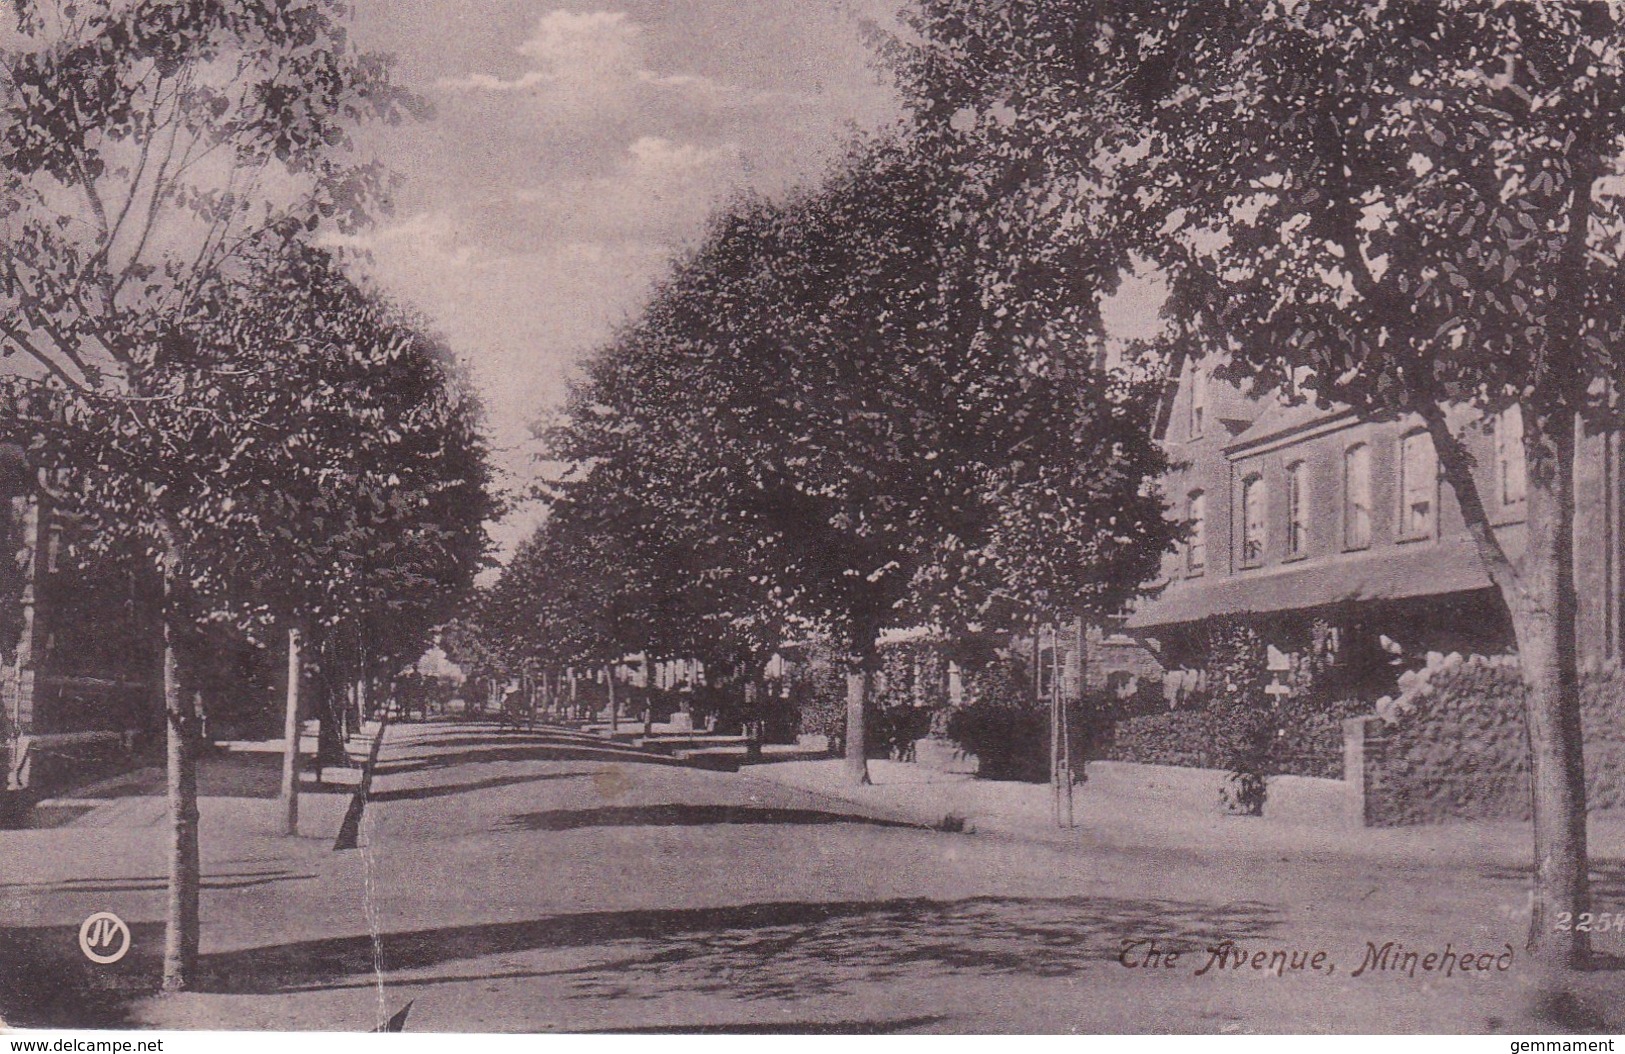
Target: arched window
{"points": [[1418, 486], [1196, 547], [1357, 497], [1252, 521], [1509, 468], [1297, 508]]}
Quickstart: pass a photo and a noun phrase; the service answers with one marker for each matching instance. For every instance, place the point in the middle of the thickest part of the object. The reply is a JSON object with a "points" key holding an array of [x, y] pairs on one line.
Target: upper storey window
{"points": [[1252, 519], [1510, 480], [1297, 508], [1418, 486], [1198, 401], [1357, 497], [1196, 548]]}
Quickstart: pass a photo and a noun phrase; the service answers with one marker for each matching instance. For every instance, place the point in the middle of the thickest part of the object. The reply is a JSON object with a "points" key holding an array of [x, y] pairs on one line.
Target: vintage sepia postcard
{"points": [[812, 517]]}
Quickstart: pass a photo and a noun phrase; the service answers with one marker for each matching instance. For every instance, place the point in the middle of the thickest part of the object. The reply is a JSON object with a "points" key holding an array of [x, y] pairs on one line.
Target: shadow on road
{"points": [[45, 982], [761, 951], [442, 790], [542, 751], [145, 884], [874, 1027], [679, 815]]}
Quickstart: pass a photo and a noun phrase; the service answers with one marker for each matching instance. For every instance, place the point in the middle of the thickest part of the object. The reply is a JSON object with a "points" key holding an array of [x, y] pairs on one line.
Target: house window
{"points": [[1509, 469], [1198, 401], [1297, 508], [1418, 486], [1196, 548], [1357, 497], [1252, 519]]}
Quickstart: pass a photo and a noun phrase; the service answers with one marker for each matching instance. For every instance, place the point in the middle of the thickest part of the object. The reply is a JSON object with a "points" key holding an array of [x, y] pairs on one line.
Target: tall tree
{"points": [[1404, 209], [142, 146]]}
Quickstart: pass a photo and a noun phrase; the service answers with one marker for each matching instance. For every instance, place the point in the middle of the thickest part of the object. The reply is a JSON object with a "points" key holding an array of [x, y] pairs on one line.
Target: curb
{"points": [[350, 829]]}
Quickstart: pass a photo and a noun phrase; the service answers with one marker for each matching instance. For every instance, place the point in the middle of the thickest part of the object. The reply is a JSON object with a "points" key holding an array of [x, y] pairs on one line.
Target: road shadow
{"points": [[446, 789], [46, 982], [682, 815], [153, 883], [539, 752], [765, 950], [762, 951], [872, 1027]]}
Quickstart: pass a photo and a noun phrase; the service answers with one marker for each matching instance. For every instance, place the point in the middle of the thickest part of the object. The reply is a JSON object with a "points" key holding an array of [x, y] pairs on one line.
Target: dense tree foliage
{"points": [[1404, 209], [824, 405], [176, 355]]}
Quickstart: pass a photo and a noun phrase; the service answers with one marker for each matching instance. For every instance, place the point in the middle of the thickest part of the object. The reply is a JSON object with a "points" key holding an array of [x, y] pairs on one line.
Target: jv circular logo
{"points": [[104, 938]]}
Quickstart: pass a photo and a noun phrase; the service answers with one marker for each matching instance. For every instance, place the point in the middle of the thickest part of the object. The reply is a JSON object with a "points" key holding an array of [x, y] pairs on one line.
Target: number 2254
{"points": [[1589, 922]]}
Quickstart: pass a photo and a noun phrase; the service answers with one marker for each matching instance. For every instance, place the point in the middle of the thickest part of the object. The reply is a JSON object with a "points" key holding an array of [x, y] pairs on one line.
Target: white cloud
{"points": [[600, 40], [594, 53]]}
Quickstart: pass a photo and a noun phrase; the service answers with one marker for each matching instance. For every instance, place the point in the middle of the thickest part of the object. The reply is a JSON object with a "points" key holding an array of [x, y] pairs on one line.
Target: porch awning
{"points": [[1389, 573]]}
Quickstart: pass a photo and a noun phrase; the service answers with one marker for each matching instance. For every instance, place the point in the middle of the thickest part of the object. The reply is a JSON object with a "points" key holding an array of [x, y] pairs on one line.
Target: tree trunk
{"points": [[330, 752], [1539, 593], [181, 927], [857, 693], [1544, 615], [290, 733], [358, 707], [609, 686]]}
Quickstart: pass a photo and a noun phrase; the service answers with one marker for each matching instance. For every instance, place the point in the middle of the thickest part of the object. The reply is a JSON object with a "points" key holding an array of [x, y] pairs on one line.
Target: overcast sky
{"points": [[576, 147]]}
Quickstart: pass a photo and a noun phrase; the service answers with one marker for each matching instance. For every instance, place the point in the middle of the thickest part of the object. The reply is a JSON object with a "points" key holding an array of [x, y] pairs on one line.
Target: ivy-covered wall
{"points": [[1454, 744]]}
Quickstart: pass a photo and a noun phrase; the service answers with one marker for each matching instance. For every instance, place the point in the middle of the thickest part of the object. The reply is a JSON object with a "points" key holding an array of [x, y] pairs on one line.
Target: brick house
{"points": [[79, 650], [1299, 514]]}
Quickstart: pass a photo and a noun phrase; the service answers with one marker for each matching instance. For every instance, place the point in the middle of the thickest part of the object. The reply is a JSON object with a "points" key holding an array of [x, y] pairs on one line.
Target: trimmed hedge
{"points": [[1310, 746], [1176, 737]]}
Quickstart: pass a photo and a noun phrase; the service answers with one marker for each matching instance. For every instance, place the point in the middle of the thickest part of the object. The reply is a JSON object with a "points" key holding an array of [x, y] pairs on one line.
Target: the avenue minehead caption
{"points": [[1390, 958]]}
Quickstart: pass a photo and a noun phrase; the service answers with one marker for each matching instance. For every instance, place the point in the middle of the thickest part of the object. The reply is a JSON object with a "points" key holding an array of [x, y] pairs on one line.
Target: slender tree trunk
{"points": [[185, 880], [1544, 617], [1539, 593], [330, 752], [609, 686], [857, 693], [290, 734]]}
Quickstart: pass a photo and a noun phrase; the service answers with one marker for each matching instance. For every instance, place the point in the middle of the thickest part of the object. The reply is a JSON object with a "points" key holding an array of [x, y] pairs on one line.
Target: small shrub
{"points": [[1012, 742], [893, 730], [1243, 720], [1004, 725]]}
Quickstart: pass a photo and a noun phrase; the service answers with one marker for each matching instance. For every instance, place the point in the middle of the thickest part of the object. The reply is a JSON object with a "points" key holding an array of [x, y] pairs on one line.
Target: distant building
{"points": [[1299, 514]]}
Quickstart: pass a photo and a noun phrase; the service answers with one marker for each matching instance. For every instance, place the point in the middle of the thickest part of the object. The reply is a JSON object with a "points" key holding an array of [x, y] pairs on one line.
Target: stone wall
{"points": [[1452, 745]]}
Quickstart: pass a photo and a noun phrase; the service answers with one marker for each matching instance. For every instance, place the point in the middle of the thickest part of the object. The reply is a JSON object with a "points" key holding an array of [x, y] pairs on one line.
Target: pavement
{"points": [[1123, 806], [552, 881]]}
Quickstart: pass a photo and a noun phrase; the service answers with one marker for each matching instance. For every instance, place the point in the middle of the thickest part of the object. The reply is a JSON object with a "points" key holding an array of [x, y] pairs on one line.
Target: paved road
{"points": [[550, 881]]}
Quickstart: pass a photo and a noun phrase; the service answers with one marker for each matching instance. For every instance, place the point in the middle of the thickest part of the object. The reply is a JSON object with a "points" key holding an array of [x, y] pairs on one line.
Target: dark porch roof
{"points": [[1387, 573]]}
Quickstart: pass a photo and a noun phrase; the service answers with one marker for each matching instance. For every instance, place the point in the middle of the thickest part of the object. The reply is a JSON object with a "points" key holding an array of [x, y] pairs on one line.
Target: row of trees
{"points": [[877, 402], [825, 422], [281, 448]]}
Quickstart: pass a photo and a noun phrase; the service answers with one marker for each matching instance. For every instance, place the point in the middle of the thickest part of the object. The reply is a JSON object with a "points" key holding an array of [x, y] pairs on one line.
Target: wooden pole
{"points": [[1064, 729], [290, 736]]}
